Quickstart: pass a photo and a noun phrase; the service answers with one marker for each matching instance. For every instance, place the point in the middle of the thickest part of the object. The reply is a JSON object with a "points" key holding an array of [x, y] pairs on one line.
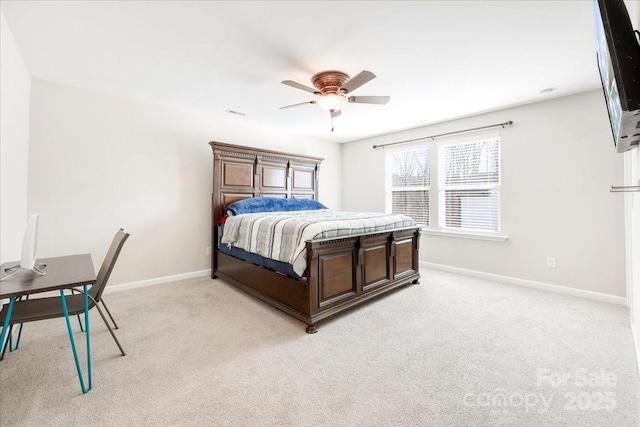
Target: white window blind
{"points": [[410, 183], [469, 181]]}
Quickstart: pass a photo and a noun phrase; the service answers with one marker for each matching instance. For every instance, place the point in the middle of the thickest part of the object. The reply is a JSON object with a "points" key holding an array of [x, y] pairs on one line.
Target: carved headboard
{"points": [[242, 172]]}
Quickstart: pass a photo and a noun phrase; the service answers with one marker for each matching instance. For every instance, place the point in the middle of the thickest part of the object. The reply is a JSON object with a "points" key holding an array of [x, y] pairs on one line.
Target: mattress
{"points": [[282, 236]]}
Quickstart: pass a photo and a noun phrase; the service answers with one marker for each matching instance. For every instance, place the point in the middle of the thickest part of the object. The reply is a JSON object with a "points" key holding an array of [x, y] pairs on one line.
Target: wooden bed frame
{"points": [[341, 272]]}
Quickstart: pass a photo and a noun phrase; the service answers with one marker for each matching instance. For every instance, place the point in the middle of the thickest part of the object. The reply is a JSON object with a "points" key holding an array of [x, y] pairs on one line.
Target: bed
{"points": [[338, 272]]}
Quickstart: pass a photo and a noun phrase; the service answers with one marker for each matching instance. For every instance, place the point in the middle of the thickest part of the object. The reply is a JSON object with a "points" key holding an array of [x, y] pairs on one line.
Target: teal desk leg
{"points": [[73, 343], [7, 319]]}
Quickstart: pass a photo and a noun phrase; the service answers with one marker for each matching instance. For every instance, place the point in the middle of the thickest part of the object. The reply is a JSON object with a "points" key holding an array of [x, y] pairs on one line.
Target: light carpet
{"points": [[451, 351]]}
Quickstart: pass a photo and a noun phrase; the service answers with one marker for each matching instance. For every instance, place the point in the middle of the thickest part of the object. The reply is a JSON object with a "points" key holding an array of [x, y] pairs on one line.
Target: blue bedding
{"points": [[272, 204]]}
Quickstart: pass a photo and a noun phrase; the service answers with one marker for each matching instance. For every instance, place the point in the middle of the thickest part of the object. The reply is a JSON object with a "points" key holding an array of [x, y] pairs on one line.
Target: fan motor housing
{"points": [[329, 81]]}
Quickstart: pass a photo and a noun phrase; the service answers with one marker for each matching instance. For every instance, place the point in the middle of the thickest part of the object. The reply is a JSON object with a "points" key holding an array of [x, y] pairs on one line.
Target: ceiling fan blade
{"points": [[358, 81], [300, 86], [335, 113], [369, 99], [297, 105]]}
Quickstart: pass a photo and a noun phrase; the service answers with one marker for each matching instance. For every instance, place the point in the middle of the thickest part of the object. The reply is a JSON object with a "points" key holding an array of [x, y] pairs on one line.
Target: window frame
{"points": [[390, 189], [435, 209], [482, 186]]}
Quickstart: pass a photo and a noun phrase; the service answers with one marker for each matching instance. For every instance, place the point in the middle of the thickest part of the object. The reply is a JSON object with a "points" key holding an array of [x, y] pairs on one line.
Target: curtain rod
{"points": [[509, 123]]}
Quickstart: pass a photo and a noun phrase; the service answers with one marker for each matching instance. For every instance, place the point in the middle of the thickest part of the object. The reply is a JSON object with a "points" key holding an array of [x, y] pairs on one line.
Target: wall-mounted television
{"points": [[618, 52]]}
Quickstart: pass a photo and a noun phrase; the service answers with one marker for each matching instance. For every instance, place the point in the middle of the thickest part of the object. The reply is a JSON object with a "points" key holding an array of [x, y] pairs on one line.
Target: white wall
{"points": [[558, 162], [15, 85], [99, 162]]}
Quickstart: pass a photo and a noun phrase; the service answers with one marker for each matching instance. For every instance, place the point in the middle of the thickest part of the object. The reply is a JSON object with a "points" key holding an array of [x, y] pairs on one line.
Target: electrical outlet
{"points": [[551, 262], [208, 250]]}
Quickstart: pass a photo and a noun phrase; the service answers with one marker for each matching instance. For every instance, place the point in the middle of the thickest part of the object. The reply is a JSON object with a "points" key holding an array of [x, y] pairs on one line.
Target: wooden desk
{"points": [[62, 273]]}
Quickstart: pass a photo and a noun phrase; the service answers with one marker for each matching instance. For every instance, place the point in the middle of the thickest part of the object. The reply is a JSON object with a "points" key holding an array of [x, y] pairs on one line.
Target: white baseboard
{"points": [[156, 281], [529, 284]]}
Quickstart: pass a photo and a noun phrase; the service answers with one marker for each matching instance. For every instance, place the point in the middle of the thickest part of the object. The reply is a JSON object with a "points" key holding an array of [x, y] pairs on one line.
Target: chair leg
{"points": [[110, 330], [17, 339], [73, 292], [6, 327], [6, 344], [115, 326], [10, 340]]}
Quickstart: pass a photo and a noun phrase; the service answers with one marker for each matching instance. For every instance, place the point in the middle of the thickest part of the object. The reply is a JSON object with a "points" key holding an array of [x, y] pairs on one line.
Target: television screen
{"points": [[619, 64]]}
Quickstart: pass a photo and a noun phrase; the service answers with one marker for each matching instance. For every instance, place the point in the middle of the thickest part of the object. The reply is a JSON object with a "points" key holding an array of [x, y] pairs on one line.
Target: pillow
{"points": [[272, 204]]}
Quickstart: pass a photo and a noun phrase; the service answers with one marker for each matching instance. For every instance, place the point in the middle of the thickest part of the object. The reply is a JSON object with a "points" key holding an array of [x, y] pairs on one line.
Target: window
{"points": [[469, 178], [464, 194], [410, 183]]}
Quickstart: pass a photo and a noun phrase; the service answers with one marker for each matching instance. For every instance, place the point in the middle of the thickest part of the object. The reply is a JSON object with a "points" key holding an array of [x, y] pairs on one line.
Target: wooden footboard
{"points": [[344, 272], [341, 273]]}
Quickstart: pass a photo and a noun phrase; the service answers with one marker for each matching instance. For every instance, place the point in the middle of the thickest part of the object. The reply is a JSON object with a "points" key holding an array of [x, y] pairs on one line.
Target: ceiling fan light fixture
{"points": [[332, 102], [334, 88]]}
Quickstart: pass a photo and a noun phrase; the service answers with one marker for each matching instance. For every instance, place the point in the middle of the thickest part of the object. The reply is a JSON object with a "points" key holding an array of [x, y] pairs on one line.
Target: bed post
{"points": [[215, 203], [214, 239]]}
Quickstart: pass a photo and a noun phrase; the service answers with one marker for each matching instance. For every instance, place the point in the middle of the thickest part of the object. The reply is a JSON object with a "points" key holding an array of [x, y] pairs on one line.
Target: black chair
{"points": [[31, 310]]}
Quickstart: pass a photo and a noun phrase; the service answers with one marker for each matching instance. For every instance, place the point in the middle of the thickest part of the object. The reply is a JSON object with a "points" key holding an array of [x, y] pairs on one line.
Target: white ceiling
{"points": [[437, 60]]}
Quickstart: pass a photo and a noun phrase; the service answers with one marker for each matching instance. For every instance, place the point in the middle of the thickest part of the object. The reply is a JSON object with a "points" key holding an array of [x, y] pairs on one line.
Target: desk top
{"points": [[62, 273]]}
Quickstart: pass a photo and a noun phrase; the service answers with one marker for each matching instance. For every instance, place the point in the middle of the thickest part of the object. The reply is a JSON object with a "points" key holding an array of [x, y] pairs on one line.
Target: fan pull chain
{"points": [[332, 123]]}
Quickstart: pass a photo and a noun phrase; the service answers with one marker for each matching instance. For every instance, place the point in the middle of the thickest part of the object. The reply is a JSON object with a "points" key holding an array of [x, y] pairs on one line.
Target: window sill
{"points": [[466, 235]]}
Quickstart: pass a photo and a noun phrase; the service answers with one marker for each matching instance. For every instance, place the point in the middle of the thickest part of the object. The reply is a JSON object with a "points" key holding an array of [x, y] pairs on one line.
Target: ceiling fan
{"points": [[333, 87]]}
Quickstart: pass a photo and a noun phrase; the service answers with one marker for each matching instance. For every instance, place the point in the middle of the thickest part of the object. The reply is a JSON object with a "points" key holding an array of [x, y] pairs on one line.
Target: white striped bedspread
{"points": [[282, 235]]}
